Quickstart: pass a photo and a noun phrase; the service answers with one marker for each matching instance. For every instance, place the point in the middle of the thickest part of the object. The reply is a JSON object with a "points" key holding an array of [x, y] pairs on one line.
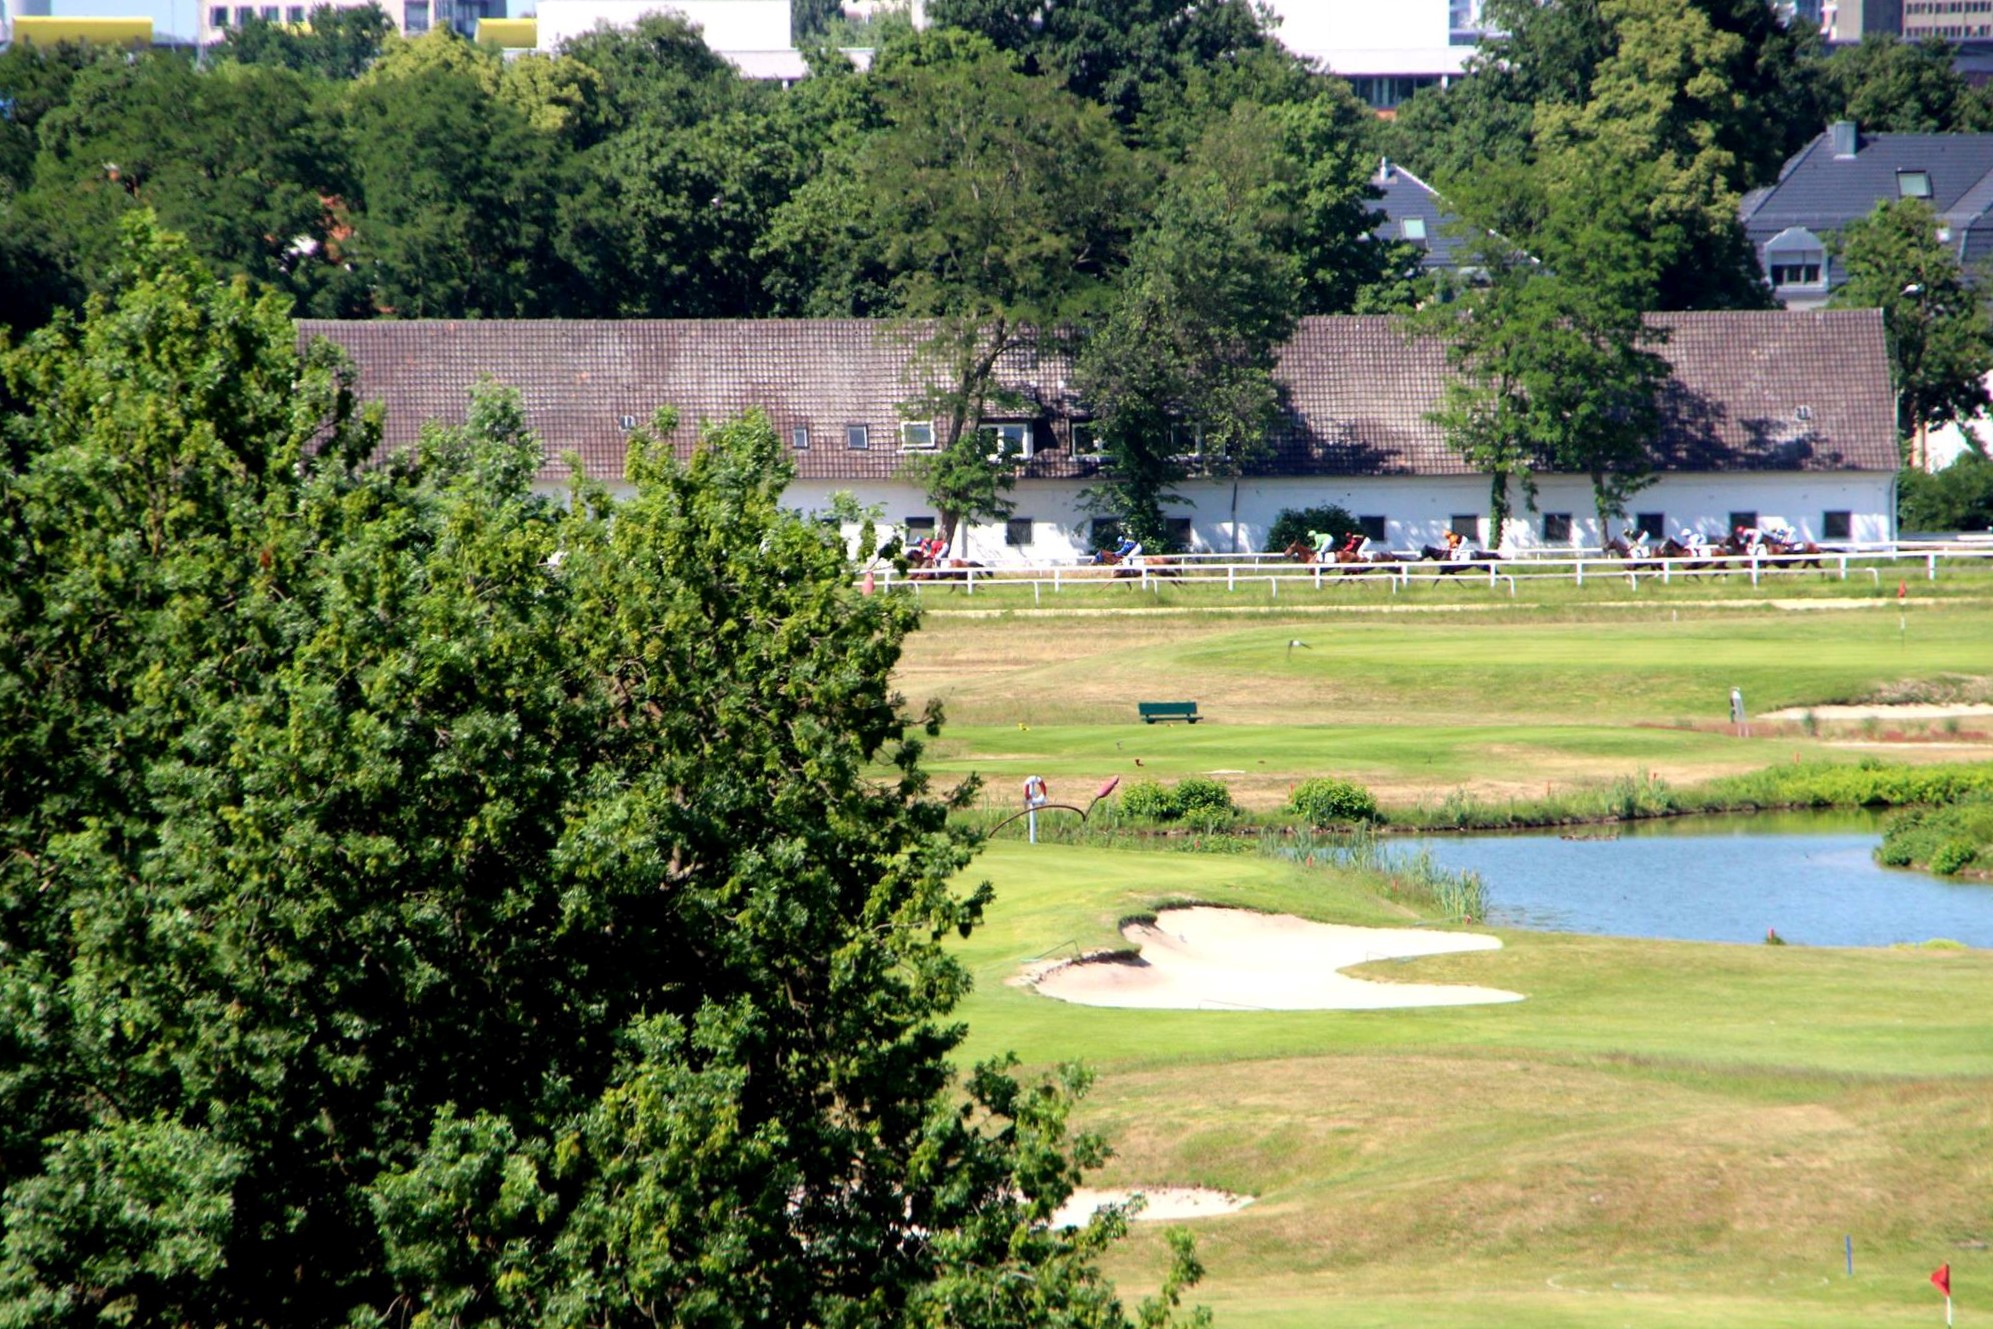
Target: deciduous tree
{"points": [[1939, 336]]}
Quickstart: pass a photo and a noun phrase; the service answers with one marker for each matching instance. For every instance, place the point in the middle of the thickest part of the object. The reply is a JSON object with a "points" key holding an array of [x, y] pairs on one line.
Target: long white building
{"points": [[1770, 418]]}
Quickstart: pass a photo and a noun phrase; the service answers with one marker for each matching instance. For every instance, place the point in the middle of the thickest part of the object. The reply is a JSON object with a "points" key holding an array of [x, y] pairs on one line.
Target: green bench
{"points": [[1152, 711]]}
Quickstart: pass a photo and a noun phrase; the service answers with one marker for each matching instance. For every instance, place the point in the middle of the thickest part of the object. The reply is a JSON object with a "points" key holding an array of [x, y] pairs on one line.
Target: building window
{"points": [[1178, 531], [1373, 528], [799, 438], [1086, 443], [244, 15], [917, 435], [919, 528], [1556, 527], [218, 16], [1413, 229], [294, 15], [415, 16], [1913, 184], [857, 437], [1466, 525], [1009, 440], [1653, 525], [1748, 520], [1017, 532], [269, 13], [1798, 270], [1186, 440], [1103, 532], [1837, 525]]}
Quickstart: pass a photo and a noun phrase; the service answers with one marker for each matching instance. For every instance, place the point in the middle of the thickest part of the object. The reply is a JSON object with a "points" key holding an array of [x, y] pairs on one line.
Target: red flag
{"points": [[1942, 1279], [1107, 789], [1902, 589]]}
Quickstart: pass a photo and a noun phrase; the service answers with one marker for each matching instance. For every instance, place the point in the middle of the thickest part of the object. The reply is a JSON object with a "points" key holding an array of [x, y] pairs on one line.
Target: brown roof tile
{"points": [[1778, 390]]}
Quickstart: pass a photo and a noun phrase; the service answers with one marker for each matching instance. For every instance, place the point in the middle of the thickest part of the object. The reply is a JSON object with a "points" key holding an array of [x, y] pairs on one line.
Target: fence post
{"points": [[1754, 570], [1273, 587], [1318, 576], [1667, 570], [1579, 565], [1844, 567], [1036, 586], [1055, 581], [1930, 567], [1231, 576]]}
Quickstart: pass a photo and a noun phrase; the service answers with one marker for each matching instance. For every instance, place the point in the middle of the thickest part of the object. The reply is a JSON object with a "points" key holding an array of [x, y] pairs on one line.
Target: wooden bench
{"points": [[1152, 711]]}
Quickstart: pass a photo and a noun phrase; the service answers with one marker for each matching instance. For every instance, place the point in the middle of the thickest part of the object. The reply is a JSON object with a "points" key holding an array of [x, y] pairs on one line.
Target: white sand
{"points": [[1159, 1204], [1233, 959], [1905, 710]]}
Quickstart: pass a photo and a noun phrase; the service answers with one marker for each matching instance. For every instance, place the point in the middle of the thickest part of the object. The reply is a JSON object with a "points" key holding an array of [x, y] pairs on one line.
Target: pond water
{"points": [[1812, 876]]}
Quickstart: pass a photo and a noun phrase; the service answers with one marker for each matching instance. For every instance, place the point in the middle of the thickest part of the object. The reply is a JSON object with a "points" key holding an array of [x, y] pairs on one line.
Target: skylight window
{"points": [[1413, 229], [1913, 184]]}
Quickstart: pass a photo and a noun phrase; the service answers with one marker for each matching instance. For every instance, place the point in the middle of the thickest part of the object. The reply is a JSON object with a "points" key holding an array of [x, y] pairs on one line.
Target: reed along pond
{"points": [[1811, 876]]}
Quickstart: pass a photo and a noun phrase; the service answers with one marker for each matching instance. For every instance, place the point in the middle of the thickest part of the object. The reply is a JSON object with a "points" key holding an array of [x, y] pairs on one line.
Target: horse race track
{"points": [[1661, 1134]]}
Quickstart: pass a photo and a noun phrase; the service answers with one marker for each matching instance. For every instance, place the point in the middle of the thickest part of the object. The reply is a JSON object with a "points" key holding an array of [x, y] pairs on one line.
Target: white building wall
{"points": [[1363, 37], [1417, 511], [733, 28]]}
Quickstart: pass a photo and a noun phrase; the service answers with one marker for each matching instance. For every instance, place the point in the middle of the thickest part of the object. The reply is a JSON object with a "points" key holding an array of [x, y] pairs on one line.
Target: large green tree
{"points": [[997, 201], [1939, 336], [337, 42], [1889, 86], [1179, 375], [426, 900]]}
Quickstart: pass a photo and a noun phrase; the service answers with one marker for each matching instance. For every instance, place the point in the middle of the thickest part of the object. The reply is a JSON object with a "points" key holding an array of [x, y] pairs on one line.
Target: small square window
{"points": [[1913, 184], [1373, 528], [1086, 441], [917, 435], [269, 13], [628, 422], [1017, 532], [1654, 525], [1466, 525], [857, 437], [1186, 440], [1178, 531], [294, 14], [1837, 525], [1413, 229], [415, 16], [218, 16], [799, 438], [244, 14], [1104, 532], [1747, 520], [1556, 527], [919, 528], [1011, 440]]}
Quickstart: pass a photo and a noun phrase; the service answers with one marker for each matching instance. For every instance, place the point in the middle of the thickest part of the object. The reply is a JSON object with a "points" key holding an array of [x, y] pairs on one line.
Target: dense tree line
{"points": [[1159, 179]]}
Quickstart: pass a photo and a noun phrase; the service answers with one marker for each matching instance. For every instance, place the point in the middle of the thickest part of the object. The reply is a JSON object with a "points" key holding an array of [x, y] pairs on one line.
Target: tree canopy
{"points": [[420, 896]]}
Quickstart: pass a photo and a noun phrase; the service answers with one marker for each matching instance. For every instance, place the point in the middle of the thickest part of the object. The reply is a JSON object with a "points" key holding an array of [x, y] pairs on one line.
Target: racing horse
{"points": [[1617, 547], [922, 566], [1154, 564]]}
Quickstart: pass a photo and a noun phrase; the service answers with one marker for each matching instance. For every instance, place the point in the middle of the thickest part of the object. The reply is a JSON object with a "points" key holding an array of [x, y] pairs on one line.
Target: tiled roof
{"points": [[1779, 390]]}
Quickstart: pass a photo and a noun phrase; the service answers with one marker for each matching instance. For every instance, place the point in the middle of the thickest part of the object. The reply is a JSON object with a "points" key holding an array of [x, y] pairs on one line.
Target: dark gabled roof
{"points": [[1822, 193], [1402, 197], [1355, 391]]}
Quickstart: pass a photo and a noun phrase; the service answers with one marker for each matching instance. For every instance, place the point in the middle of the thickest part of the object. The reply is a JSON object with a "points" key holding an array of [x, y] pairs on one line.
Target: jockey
{"points": [[1692, 541], [934, 547], [1751, 538], [1456, 548], [1322, 542], [1636, 544], [1354, 543], [1780, 536], [1129, 548]]}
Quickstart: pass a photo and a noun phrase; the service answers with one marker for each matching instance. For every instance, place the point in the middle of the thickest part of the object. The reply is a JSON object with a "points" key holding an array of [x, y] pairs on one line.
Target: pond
{"points": [[1811, 876]]}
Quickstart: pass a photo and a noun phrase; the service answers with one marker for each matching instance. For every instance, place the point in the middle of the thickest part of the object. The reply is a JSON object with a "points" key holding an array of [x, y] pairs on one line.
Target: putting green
{"points": [[1663, 1134]]}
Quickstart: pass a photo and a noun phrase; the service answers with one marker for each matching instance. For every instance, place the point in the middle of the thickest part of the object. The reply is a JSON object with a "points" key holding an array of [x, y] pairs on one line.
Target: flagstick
{"points": [[1947, 1310]]}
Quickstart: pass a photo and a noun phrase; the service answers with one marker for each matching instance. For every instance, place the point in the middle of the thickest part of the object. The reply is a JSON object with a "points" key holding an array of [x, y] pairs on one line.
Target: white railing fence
{"points": [[1273, 571]]}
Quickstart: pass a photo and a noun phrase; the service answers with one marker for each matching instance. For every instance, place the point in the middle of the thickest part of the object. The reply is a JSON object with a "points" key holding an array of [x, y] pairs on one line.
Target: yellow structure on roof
{"points": [[514, 34], [43, 30]]}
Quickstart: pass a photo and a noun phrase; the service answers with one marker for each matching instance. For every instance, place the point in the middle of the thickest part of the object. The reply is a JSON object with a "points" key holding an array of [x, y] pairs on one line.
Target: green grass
{"points": [[1662, 1134]]}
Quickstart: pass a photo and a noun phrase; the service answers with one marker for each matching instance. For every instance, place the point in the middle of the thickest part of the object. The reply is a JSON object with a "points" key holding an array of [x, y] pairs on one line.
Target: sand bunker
{"points": [[1159, 1204], [1233, 959], [1905, 710]]}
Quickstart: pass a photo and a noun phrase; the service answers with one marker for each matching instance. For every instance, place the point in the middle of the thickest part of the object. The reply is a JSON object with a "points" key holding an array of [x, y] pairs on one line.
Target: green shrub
{"points": [[1953, 856], [1327, 801], [1201, 794], [1150, 801]]}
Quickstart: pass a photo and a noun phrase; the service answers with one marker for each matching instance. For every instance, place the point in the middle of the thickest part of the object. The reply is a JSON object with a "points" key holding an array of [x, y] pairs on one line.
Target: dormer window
{"points": [[1796, 258], [917, 435], [1010, 440], [1913, 184]]}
